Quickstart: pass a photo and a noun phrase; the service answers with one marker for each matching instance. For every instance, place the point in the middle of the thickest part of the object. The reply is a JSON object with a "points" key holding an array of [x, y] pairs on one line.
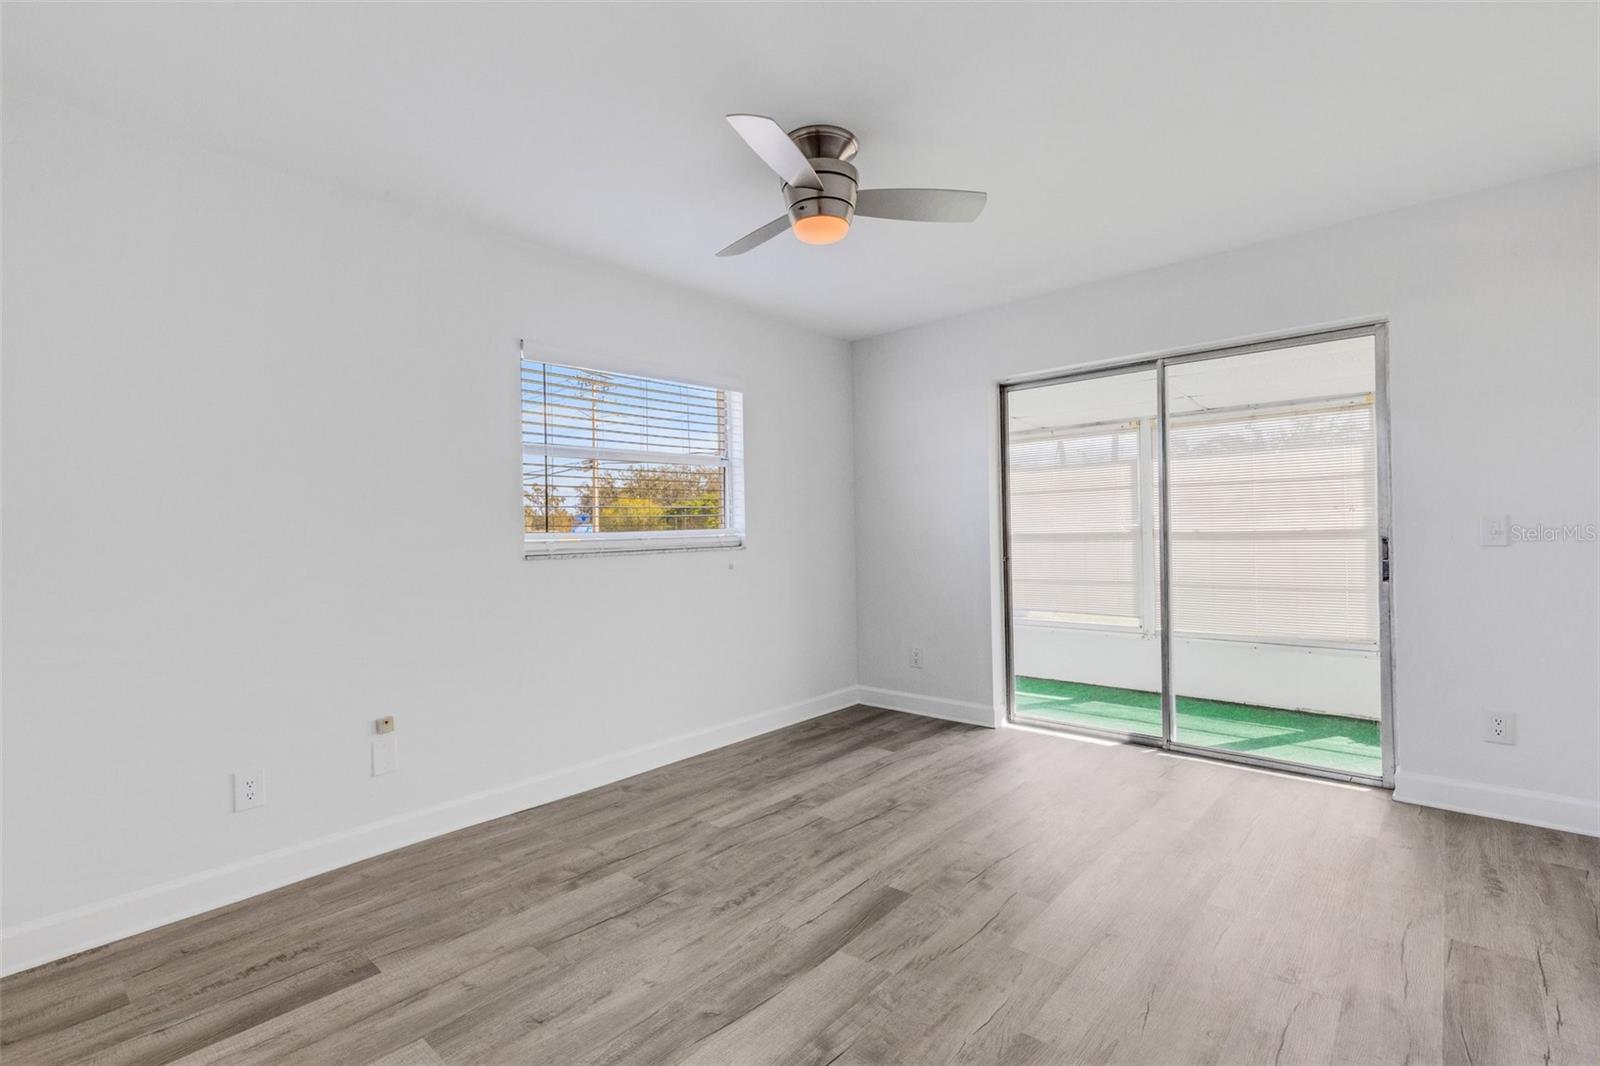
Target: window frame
{"points": [[730, 536]]}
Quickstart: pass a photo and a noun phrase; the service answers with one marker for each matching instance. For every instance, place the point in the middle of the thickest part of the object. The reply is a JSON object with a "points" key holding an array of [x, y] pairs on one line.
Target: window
{"points": [[617, 463], [1076, 525], [1275, 524]]}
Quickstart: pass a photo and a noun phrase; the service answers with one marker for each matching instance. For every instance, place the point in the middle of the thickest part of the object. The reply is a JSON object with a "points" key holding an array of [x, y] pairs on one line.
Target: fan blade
{"points": [[767, 139], [755, 237], [921, 205]]}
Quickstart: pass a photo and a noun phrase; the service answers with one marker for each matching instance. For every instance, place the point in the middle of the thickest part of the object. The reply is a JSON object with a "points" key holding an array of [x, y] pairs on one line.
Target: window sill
{"points": [[624, 544], [1305, 644], [1129, 629]]}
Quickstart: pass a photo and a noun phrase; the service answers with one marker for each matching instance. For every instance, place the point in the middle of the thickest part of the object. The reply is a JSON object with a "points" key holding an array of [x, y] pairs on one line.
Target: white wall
{"points": [[1491, 300], [1344, 681], [261, 464]]}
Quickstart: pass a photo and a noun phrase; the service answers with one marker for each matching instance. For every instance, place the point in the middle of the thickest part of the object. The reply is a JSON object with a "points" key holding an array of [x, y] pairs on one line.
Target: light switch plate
{"points": [[385, 754]]}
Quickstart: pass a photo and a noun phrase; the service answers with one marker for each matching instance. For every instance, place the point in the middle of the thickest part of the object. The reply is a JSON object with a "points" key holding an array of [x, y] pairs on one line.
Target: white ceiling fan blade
{"points": [[921, 205], [767, 139], [755, 237]]}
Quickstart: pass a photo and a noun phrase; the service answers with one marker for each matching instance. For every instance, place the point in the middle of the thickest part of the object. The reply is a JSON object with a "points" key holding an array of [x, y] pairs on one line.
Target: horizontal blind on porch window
{"points": [[1275, 525], [1074, 519], [618, 453]]}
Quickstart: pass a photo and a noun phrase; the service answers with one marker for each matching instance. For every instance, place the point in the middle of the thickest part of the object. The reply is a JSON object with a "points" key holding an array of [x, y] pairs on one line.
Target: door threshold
{"points": [[1174, 748]]}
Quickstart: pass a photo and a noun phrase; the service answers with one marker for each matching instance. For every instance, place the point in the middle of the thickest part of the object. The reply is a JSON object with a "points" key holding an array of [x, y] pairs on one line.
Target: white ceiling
{"points": [[1110, 138]]}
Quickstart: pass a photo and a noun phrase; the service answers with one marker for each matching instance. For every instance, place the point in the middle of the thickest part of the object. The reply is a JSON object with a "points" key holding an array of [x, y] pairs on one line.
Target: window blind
{"points": [[608, 454], [1275, 525], [1075, 524]]}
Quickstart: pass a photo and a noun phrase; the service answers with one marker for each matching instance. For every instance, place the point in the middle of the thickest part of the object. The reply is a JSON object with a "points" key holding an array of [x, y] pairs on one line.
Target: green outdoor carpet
{"points": [[1349, 745]]}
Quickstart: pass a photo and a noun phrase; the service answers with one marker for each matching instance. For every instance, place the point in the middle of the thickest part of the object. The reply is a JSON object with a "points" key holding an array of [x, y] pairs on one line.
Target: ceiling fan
{"points": [[819, 186]]}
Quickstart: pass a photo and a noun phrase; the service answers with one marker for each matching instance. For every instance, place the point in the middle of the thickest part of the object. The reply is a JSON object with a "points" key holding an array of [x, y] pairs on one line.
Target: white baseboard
{"points": [[1545, 809], [69, 932], [929, 706]]}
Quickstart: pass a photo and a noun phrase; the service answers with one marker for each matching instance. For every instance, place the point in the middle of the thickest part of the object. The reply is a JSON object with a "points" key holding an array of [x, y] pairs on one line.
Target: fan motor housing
{"points": [[837, 196], [829, 150]]}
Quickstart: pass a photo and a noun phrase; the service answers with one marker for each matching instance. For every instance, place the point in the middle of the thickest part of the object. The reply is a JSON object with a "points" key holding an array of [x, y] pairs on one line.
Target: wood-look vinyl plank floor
{"points": [[870, 887]]}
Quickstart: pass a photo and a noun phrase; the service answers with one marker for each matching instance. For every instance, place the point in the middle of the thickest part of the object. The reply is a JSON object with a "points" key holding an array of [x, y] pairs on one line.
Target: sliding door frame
{"points": [[1378, 330]]}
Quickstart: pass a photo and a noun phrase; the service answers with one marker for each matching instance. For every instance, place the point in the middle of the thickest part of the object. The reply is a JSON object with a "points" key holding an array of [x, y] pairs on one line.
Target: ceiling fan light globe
{"points": [[821, 229]]}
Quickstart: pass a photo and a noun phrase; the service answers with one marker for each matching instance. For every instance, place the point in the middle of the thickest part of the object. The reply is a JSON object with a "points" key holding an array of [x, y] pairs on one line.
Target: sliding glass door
{"points": [[1084, 559], [1272, 501], [1197, 553]]}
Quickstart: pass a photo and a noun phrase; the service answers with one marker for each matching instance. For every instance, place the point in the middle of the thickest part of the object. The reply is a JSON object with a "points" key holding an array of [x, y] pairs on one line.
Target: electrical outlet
{"points": [[916, 658], [385, 754], [1500, 727], [249, 789]]}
